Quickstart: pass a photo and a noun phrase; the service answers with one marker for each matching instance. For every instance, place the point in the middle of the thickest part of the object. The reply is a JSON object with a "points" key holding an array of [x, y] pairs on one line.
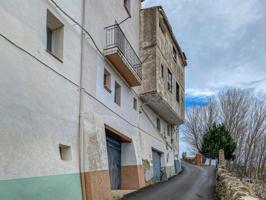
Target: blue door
{"points": [[114, 161], [156, 159]]}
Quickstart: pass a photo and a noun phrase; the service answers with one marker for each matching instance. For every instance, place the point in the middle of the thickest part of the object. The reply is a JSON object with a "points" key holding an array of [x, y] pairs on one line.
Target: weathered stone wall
{"points": [[148, 53], [164, 56], [231, 188], [156, 43]]}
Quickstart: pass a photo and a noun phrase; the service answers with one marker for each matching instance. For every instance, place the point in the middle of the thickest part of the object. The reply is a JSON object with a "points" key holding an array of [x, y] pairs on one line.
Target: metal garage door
{"points": [[114, 161], [156, 159]]}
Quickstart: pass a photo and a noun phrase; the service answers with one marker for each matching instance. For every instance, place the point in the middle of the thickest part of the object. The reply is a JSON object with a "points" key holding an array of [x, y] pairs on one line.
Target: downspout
{"points": [[81, 109]]}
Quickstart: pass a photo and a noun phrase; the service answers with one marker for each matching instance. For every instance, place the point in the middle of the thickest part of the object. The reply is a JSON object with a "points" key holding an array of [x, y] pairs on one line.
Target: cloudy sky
{"points": [[225, 43], [224, 40]]}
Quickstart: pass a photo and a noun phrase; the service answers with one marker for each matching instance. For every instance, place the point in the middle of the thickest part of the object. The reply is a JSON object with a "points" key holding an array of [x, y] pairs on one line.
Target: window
{"points": [[117, 94], [55, 36], [174, 54], [169, 81], [107, 80], [177, 93], [162, 69], [135, 104], [169, 130], [162, 27], [127, 6], [49, 39], [158, 124], [65, 152]]}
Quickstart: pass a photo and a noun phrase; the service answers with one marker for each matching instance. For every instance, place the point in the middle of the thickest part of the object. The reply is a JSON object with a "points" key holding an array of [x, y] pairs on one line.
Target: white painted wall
{"points": [[39, 97]]}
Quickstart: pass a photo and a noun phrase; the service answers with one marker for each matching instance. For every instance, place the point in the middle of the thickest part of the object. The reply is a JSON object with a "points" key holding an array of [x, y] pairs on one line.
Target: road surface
{"points": [[194, 183]]}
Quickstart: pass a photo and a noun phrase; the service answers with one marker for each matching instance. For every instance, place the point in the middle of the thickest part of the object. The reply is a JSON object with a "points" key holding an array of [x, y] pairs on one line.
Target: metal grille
{"points": [[115, 38]]}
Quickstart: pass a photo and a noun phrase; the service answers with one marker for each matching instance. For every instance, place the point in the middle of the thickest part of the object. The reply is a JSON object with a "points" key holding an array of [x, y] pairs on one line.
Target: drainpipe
{"points": [[81, 109]]}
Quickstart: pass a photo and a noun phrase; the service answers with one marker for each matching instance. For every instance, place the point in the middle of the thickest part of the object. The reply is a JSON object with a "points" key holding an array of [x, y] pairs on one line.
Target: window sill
{"points": [[107, 88], [60, 60], [118, 104]]}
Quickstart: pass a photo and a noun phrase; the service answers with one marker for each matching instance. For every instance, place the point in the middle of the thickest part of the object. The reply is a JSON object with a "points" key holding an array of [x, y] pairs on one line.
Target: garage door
{"points": [[156, 159], [114, 161]]}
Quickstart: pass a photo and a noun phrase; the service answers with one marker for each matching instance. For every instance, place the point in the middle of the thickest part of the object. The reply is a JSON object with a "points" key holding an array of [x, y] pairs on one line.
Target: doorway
{"points": [[156, 159], [114, 162]]}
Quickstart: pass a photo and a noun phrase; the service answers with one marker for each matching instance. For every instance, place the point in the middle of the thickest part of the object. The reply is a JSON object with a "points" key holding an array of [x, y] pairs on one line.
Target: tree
{"points": [[234, 105], [217, 137], [198, 121], [244, 116]]}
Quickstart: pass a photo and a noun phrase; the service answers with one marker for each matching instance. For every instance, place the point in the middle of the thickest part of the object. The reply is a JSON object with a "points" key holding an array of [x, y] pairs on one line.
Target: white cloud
{"points": [[200, 92]]}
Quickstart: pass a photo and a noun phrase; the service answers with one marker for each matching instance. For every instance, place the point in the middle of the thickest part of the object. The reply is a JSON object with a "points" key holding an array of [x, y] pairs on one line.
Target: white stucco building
{"points": [[74, 120]]}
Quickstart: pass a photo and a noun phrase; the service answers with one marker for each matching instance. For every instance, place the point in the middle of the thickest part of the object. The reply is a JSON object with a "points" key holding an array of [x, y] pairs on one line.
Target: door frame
{"points": [[120, 137], [161, 156]]}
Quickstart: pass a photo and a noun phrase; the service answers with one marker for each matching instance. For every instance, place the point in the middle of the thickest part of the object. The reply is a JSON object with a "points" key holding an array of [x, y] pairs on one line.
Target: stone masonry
{"points": [[231, 188], [161, 53], [221, 158]]}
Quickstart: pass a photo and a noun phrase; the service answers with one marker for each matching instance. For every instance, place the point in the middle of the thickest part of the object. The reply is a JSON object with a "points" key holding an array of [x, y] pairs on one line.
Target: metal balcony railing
{"points": [[115, 38]]}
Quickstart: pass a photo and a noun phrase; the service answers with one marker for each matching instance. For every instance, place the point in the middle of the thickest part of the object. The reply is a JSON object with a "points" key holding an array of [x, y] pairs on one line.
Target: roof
{"points": [[180, 52]]}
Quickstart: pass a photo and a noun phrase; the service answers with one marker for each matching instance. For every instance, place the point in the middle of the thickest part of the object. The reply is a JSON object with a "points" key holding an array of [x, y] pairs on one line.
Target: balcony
{"points": [[165, 107], [123, 57]]}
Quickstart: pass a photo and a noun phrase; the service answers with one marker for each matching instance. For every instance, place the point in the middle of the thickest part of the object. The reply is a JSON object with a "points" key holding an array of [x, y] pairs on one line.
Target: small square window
{"points": [[117, 94], [65, 152], [54, 36], [158, 122], [135, 104], [162, 70], [107, 80]]}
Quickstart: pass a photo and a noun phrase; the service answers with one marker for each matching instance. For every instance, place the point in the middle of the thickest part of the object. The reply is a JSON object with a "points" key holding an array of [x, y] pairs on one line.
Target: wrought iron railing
{"points": [[115, 38]]}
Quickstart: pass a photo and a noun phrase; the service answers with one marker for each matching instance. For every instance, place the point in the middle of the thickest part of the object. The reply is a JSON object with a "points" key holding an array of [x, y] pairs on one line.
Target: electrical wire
{"points": [[102, 54], [77, 85], [99, 51], [72, 19], [87, 32]]}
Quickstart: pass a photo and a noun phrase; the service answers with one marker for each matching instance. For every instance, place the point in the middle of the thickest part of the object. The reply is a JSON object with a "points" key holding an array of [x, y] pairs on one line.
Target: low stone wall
{"points": [[231, 188], [260, 189]]}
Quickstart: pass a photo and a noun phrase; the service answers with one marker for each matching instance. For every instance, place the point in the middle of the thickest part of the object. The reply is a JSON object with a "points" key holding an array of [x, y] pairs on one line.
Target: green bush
{"points": [[216, 138]]}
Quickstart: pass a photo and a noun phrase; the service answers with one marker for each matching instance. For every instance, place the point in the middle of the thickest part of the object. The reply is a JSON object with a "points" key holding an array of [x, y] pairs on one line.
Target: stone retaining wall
{"points": [[231, 188]]}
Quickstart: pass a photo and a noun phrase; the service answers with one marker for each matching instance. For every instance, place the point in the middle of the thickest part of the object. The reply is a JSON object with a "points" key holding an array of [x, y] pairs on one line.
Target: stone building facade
{"points": [[163, 71], [74, 119]]}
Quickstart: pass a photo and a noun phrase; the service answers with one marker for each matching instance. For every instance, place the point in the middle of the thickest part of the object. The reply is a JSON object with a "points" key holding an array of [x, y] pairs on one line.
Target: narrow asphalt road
{"points": [[194, 183]]}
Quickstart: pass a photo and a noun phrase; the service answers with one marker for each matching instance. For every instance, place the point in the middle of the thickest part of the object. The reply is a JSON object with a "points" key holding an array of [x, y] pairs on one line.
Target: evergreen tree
{"points": [[216, 138]]}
